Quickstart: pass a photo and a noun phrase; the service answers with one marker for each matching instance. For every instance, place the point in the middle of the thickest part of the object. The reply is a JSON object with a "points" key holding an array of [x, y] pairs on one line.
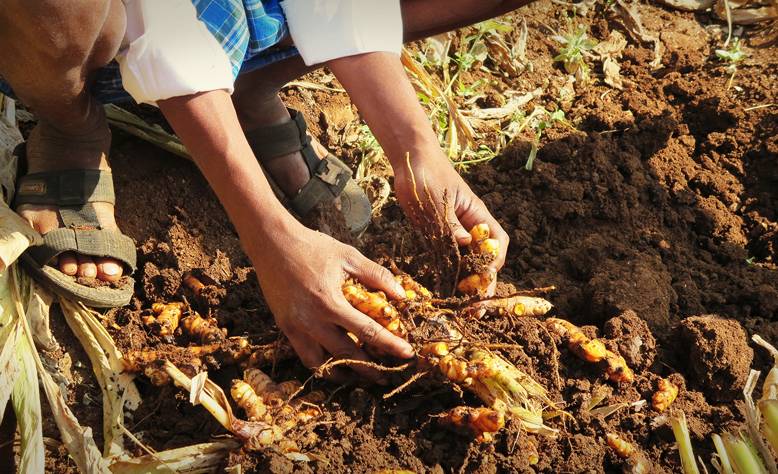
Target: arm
{"points": [[300, 271], [401, 126]]}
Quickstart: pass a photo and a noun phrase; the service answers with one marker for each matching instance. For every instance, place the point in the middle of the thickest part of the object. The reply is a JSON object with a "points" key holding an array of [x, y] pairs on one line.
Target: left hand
{"points": [[462, 209]]}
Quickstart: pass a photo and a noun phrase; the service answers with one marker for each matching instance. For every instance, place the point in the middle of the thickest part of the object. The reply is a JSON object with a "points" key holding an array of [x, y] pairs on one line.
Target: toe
{"points": [[86, 267], [68, 264], [108, 269]]}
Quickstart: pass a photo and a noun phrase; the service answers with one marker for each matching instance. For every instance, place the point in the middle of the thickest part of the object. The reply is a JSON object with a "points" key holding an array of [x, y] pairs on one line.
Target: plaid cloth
{"points": [[248, 30]]}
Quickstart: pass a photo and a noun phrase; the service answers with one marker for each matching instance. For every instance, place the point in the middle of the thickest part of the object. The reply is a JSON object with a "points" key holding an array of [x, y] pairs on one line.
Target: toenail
{"points": [[89, 272], [111, 270]]}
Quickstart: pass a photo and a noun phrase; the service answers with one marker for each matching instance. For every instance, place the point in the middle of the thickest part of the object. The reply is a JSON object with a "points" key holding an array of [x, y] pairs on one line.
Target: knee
{"points": [[63, 34]]}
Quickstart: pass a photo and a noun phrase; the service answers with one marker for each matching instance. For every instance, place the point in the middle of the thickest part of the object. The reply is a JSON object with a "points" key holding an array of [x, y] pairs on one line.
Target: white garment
{"points": [[167, 52], [323, 30]]}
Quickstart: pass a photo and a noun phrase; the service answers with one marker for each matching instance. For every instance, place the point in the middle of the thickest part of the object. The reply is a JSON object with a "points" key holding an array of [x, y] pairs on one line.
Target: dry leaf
{"points": [[611, 69], [688, 5], [634, 26], [38, 307], [204, 457]]}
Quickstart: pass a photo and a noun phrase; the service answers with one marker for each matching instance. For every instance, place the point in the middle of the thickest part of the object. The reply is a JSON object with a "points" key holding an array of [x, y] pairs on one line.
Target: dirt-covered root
{"points": [[719, 357]]}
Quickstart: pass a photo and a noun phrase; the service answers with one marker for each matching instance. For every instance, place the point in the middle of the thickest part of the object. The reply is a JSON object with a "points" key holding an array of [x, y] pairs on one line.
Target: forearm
{"points": [[208, 126], [378, 85]]}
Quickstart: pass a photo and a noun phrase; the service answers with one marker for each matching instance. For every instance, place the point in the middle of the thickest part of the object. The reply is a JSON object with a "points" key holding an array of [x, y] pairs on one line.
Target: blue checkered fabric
{"points": [[248, 30]]}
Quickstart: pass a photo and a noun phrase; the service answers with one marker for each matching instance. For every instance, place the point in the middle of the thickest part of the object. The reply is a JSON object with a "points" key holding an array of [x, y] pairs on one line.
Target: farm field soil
{"points": [[656, 219]]}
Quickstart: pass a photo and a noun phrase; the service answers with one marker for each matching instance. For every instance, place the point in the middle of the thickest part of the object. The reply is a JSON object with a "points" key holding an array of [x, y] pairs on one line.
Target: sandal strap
{"points": [[93, 242], [282, 139], [328, 176], [65, 188], [326, 183]]}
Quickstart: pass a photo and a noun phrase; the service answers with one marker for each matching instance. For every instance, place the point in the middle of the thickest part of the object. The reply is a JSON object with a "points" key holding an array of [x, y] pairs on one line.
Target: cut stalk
{"points": [[769, 410], [206, 400], [685, 449], [743, 456], [725, 467]]}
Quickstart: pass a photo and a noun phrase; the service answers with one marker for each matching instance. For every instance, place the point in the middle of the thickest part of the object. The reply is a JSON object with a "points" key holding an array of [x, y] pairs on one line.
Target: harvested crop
{"points": [[247, 399], [624, 449], [375, 305], [591, 350], [664, 396], [193, 283], [480, 422], [414, 291], [477, 283], [165, 318], [637, 462], [202, 329], [484, 250], [514, 306]]}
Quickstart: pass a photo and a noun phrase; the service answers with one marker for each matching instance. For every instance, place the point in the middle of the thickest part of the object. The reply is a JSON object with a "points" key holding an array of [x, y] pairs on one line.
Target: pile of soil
{"points": [[655, 219]]}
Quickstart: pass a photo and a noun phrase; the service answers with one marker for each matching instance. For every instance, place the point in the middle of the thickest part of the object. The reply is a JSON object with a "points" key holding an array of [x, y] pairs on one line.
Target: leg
{"points": [[51, 48], [256, 93]]}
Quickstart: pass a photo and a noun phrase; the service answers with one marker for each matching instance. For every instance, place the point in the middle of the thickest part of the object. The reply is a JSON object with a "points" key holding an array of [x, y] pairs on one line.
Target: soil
{"points": [[655, 218]]}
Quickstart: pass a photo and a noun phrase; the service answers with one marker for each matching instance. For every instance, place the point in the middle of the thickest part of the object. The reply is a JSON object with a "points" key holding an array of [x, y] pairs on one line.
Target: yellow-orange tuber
{"points": [[591, 350], [664, 396], [481, 422], [202, 329], [246, 398], [513, 306], [414, 291], [624, 449], [478, 283], [375, 305], [165, 319]]}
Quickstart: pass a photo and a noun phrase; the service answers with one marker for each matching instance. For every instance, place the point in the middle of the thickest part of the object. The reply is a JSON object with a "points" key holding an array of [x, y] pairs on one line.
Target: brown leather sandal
{"points": [[330, 177], [73, 192]]}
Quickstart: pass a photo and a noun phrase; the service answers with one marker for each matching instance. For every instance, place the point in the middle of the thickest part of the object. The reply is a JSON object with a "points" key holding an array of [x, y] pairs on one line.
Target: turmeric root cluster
{"points": [[664, 396], [481, 422], [591, 350], [376, 305], [488, 249], [164, 318], [265, 401], [167, 317]]}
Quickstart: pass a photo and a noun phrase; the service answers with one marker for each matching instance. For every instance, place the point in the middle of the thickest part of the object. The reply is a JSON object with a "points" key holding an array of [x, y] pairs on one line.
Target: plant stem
{"points": [[685, 450]]}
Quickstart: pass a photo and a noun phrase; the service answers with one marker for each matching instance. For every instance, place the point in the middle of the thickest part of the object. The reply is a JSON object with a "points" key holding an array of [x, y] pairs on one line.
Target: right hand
{"points": [[301, 274]]}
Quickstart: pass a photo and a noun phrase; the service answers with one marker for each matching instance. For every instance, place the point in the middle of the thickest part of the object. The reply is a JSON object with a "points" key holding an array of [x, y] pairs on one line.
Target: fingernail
{"points": [[399, 290]]}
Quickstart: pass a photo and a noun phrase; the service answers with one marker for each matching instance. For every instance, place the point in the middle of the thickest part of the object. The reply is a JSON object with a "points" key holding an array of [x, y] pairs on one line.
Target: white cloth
{"points": [[167, 52], [323, 30]]}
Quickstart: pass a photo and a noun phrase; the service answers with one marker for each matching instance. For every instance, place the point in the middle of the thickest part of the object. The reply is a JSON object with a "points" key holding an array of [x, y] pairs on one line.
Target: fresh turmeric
{"points": [[203, 330], [664, 396], [479, 282], [375, 305], [481, 422], [591, 350], [247, 399], [624, 449], [513, 306], [165, 319]]}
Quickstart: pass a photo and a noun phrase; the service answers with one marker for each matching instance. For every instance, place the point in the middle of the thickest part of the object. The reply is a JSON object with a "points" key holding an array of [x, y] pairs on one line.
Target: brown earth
{"points": [[659, 207]]}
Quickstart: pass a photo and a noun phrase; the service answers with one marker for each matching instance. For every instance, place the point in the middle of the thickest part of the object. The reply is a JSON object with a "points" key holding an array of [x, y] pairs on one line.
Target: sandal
{"points": [[330, 177], [73, 191]]}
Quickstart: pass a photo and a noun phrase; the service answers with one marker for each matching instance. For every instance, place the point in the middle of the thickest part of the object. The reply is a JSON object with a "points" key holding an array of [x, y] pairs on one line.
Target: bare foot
{"points": [[49, 149]]}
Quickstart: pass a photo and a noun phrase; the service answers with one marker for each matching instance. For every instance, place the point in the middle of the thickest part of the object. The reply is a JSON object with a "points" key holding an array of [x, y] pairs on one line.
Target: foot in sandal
{"points": [[301, 171], [65, 191]]}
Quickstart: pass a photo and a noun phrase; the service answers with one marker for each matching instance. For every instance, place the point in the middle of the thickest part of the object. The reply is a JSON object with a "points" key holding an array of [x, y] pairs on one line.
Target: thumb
{"points": [[375, 276]]}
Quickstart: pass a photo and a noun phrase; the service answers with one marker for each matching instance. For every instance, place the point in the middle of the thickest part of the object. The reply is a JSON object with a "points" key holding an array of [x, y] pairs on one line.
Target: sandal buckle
{"points": [[329, 174]]}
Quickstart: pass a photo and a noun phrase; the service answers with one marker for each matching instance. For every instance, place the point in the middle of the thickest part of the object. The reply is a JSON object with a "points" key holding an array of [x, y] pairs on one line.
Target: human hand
{"points": [[301, 274], [462, 208]]}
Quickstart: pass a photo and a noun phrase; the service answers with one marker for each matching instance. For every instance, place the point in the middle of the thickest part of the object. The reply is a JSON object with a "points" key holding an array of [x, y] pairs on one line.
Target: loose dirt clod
{"points": [[719, 355]]}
